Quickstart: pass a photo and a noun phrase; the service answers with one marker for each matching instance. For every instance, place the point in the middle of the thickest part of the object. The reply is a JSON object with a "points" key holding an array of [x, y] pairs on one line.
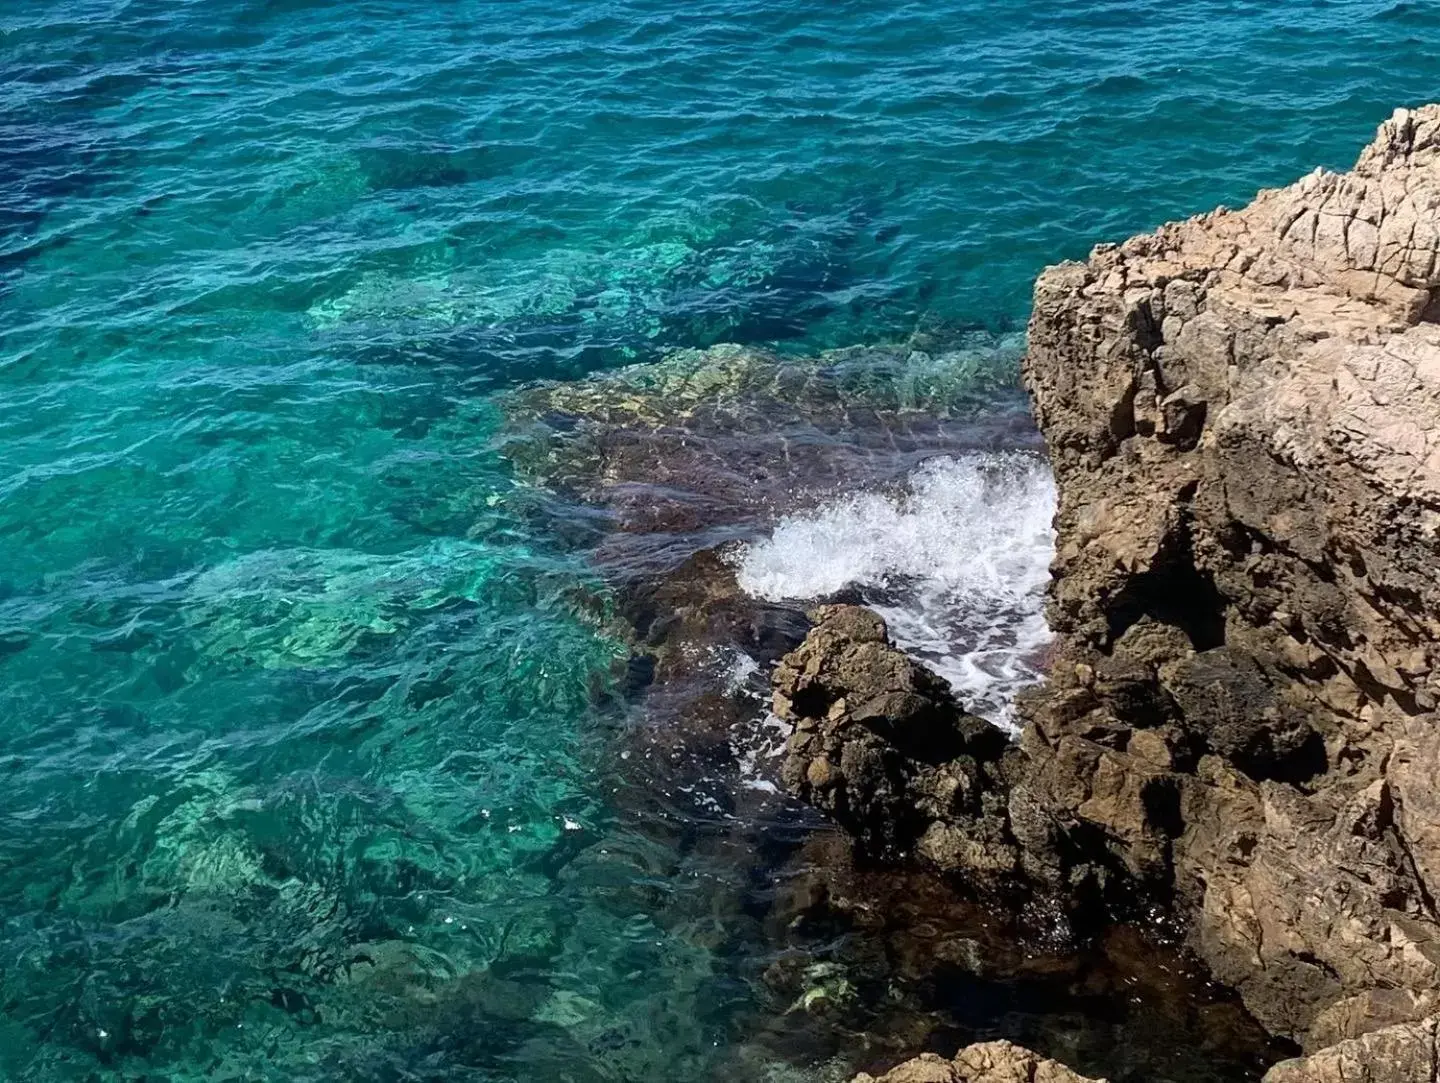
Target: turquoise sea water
{"points": [[309, 703]]}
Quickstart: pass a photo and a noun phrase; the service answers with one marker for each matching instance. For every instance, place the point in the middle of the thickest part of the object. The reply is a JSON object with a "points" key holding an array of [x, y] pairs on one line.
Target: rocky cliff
{"points": [[1243, 414]]}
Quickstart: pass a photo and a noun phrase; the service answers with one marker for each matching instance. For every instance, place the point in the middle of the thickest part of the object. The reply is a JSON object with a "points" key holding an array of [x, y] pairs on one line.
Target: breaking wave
{"points": [[957, 564]]}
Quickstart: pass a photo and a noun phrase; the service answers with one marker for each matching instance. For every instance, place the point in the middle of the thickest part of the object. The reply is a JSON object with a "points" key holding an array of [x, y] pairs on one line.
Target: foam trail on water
{"points": [[957, 565]]}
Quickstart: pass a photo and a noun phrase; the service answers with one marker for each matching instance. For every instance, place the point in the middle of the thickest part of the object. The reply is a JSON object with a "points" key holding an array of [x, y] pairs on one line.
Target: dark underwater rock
{"points": [[927, 968]]}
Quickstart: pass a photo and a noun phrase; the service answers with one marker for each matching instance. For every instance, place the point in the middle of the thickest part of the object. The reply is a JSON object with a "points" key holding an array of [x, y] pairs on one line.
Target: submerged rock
{"points": [[933, 970], [985, 1062], [705, 440]]}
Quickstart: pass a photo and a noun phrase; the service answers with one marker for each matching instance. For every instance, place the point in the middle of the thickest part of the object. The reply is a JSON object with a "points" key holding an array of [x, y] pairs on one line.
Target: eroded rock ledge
{"points": [[1243, 413]]}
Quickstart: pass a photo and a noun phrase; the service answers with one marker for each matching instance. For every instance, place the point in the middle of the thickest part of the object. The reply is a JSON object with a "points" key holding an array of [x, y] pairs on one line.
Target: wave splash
{"points": [[957, 565]]}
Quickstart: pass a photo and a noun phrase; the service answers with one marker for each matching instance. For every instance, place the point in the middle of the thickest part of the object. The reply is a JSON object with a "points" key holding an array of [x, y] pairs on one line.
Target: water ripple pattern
{"points": [[303, 706]]}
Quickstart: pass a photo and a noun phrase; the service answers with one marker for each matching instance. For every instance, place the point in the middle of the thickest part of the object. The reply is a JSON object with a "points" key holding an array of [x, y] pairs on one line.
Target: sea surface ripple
{"points": [[307, 703]]}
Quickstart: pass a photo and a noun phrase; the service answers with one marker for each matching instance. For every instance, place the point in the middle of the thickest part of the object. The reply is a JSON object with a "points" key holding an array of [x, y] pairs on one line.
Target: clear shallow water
{"points": [[307, 708]]}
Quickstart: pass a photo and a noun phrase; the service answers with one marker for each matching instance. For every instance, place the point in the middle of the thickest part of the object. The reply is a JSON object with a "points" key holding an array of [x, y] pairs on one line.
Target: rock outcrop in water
{"points": [[881, 745], [1243, 413], [656, 471]]}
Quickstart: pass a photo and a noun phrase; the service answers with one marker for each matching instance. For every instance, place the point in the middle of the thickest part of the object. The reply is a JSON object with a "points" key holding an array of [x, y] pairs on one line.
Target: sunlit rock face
{"points": [[1243, 414], [1238, 725]]}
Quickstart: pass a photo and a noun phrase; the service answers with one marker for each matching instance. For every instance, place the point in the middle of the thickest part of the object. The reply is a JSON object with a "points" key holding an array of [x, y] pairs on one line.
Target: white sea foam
{"points": [[957, 565]]}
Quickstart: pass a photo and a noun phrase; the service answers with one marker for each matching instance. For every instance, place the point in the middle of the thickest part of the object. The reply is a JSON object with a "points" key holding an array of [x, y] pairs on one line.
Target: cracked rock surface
{"points": [[1243, 412], [1405, 1053]]}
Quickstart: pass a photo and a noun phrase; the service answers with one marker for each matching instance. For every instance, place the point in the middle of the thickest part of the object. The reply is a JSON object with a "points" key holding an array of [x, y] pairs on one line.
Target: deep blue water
{"points": [[307, 707]]}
